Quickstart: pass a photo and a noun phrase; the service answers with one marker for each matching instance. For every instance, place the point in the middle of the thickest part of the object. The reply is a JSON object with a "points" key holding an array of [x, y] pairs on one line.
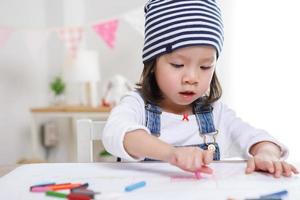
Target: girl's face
{"points": [[184, 75]]}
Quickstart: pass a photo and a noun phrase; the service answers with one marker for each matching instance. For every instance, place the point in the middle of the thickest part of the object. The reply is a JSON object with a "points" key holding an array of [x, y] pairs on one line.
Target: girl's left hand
{"points": [[270, 164]]}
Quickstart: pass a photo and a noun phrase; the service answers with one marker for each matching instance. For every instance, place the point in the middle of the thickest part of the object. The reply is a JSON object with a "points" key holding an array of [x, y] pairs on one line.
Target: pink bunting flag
{"points": [[72, 38], [4, 35], [107, 31]]}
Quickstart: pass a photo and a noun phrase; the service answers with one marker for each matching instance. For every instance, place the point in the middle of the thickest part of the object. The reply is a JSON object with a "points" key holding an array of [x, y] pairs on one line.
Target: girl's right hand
{"points": [[192, 159]]}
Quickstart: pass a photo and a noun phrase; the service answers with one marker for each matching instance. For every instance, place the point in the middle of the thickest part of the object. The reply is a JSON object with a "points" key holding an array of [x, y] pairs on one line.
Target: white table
{"points": [[73, 113], [163, 181]]}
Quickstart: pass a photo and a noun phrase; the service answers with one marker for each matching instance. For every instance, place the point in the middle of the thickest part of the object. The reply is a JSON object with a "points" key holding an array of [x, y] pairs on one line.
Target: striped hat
{"points": [[173, 24]]}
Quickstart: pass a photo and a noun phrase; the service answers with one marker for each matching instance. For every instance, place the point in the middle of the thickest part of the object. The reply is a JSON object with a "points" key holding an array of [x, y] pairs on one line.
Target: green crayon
{"points": [[56, 194]]}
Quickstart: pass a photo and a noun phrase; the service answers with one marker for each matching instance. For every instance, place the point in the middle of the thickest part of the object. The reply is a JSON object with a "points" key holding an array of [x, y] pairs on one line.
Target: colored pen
{"points": [[61, 184], [77, 197], [271, 198], [40, 189], [86, 192], [135, 186], [42, 185], [64, 187], [198, 175], [45, 187], [56, 194], [276, 194], [265, 198], [82, 186], [52, 187]]}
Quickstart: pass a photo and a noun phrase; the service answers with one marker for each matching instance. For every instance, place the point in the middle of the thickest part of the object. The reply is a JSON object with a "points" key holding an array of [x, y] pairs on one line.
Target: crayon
{"points": [[275, 194], [82, 186], [40, 189], [135, 186], [277, 198], [63, 184], [45, 187], [271, 198], [64, 187], [42, 185], [56, 194], [86, 192], [78, 197], [264, 198], [198, 175]]}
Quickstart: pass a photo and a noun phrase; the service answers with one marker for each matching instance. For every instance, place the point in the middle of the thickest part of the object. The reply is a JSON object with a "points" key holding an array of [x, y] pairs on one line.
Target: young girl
{"points": [[175, 115]]}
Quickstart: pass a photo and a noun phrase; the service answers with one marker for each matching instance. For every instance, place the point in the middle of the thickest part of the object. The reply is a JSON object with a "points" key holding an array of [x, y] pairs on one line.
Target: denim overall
{"points": [[204, 119]]}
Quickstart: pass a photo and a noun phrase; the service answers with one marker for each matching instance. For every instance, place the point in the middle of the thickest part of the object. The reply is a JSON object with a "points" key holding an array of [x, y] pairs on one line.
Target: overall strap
{"points": [[204, 117], [152, 113]]}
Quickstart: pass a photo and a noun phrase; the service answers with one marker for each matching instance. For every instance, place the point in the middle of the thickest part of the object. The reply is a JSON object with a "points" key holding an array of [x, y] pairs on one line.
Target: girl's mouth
{"points": [[187, 93]]}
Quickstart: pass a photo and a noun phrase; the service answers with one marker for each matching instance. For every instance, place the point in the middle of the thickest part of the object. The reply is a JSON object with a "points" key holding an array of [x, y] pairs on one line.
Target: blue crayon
{"points": [[276, 194], [267, 198], [129, 188]]}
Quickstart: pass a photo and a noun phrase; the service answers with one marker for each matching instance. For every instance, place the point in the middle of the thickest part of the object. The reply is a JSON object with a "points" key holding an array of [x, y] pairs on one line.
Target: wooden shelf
{"points": [[70, 109]]}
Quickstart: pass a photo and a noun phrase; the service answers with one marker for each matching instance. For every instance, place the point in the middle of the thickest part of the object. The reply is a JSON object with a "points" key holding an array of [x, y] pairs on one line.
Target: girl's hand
{"points": [[270, 164], [192, 159]]}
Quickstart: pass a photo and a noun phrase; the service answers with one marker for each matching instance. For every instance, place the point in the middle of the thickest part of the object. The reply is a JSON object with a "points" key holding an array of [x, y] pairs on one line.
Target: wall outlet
{"points": [[49, 134]]}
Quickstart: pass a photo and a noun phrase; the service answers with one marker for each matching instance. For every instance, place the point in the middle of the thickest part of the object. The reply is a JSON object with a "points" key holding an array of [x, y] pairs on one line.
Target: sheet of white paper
{"points": [[163, 181]]}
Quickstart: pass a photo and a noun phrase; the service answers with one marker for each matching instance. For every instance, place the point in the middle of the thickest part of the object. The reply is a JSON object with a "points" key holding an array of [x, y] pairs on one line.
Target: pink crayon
{"points": [[40, 189], [198, 175]]}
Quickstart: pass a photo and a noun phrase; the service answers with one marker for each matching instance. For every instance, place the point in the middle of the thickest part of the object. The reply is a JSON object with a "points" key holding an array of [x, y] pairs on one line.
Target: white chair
{"points": [[87, 132]]}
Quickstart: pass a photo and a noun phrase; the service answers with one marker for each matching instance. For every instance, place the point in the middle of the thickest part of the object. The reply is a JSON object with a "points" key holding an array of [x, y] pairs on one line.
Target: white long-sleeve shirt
{"points": [[235, 137]]}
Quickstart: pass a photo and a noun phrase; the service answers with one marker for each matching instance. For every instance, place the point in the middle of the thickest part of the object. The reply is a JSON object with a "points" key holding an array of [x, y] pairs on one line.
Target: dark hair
{"points": [[150, 91]]}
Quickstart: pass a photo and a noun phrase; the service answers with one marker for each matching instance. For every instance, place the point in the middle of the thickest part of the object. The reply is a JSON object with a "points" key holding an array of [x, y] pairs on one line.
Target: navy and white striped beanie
{"points": [[173, 24]]}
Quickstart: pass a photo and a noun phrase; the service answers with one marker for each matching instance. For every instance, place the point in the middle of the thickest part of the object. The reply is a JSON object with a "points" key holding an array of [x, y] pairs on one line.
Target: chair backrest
{"points": [[87, 132]]}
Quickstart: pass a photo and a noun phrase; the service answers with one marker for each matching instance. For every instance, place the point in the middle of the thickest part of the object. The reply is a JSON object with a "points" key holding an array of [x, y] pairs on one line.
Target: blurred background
{"points": [[62, 53]]}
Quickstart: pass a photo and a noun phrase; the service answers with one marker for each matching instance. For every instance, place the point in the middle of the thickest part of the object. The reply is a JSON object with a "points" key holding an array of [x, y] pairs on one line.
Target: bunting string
{"points": [[71, 36]]}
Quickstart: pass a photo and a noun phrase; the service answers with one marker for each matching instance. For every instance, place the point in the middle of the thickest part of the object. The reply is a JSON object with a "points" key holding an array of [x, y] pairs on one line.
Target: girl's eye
{"points": [[205, 67], [177, 65]]}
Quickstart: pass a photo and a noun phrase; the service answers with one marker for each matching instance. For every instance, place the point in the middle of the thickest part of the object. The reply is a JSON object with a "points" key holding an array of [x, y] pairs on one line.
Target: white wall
{"points": [[262, 51], [24, 80]]}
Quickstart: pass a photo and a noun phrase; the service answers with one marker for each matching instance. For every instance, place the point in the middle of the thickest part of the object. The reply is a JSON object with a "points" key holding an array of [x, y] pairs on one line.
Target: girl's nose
{"points": [[190, 77]]}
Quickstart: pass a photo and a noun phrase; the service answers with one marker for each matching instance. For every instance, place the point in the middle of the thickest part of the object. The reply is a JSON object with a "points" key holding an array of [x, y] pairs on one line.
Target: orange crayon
{"points": [[64, 187]]}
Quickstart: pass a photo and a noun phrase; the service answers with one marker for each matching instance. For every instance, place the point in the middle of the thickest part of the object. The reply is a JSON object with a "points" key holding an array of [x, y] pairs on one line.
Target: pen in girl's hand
{"points": [[198, 175]]}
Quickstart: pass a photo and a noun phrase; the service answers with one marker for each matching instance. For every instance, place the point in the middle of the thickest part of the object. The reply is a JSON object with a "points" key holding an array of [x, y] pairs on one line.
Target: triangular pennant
{"points": [[35, 41], [4, 35], [72, 38], [107, 31], [136, 19]]}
